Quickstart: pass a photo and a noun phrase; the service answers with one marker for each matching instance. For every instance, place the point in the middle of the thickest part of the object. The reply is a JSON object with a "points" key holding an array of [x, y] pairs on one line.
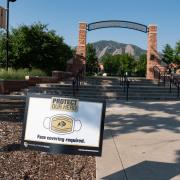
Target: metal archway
{"points": [[117, 24]]}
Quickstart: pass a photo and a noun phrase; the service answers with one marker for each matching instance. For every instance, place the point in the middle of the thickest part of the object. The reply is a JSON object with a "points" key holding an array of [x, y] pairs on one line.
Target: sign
{"points": [[63, 125], [117, 24]]}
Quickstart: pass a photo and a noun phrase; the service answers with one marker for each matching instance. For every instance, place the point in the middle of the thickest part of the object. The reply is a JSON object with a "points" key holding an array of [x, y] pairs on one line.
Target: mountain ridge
{"points": [[104, 47]]}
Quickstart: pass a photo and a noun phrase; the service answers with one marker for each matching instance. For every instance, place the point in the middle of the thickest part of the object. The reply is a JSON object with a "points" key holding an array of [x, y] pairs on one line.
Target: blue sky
{"points": [[64, 15]]}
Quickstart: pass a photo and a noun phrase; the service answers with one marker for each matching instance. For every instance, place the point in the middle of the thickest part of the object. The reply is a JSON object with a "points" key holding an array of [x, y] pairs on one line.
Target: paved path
{"points": [[141, 141]]}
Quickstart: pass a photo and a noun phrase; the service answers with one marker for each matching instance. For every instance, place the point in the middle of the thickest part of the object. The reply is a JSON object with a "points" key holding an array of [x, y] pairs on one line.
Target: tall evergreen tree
{"points": [[177, 53], [168, 54]]}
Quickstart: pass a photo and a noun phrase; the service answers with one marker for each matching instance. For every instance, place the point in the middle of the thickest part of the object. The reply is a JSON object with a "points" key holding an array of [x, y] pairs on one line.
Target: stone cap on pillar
{"points": [[83, 22], [83, 25], [152, 28], [152, 25]]}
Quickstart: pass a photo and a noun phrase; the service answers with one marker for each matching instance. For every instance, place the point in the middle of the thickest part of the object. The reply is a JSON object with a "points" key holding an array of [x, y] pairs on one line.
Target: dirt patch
{"points": [[16, 164]]}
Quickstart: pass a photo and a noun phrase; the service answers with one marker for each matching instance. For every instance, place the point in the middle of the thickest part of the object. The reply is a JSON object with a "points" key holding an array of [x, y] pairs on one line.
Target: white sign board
{"points": [[63, 125]]}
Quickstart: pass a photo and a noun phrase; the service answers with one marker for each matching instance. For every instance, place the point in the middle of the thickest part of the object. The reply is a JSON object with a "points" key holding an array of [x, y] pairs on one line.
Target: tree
{"points": [[127, 64], [177, 53], [118, 64], [36, 46], [141, 65], [168, 54], [108, 63], [2, 49], [91, 59]]}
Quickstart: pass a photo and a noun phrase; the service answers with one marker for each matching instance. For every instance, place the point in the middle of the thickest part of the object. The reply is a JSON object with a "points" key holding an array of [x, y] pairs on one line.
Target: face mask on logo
{"points": [[62, 124]]}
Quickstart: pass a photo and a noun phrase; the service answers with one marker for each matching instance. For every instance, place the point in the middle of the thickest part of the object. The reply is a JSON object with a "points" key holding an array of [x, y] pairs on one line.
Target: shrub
{"points": [[20, 73]]}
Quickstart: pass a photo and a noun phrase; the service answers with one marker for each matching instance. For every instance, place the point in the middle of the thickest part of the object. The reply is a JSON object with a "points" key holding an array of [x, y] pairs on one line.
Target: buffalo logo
{"points": [[62, 124]]}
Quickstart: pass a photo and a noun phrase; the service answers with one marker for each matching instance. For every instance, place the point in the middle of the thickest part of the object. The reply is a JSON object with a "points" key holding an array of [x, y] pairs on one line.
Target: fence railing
{"points": [[161, 75], [165, 78], [77, 81], [124, 83], [174, 81]]}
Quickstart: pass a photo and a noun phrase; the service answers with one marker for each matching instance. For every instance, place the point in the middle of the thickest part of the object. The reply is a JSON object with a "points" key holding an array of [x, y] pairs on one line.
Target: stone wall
{"points": [[8, 86], [33, 80]]}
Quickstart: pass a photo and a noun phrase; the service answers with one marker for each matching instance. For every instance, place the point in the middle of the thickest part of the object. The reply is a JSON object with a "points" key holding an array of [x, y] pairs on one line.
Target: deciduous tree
{"points": [[36, 46], [91, 59]]}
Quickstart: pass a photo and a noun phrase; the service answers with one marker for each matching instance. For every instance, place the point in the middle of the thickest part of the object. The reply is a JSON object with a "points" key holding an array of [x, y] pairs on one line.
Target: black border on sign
{"points": [[61, 148]]}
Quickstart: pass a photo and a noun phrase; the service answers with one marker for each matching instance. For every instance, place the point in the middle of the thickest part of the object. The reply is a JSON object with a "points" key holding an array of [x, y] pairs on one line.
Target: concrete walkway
{"points": [[141, 141]]}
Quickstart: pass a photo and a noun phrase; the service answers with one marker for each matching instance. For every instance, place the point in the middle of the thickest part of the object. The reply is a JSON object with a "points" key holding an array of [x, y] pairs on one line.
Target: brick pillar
{"points": [[152, 53], [2, 17], [81, 49]]}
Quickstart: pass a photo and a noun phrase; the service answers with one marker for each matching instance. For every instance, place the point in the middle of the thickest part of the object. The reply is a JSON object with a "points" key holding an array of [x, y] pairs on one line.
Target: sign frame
{"points": [[63, 148]]}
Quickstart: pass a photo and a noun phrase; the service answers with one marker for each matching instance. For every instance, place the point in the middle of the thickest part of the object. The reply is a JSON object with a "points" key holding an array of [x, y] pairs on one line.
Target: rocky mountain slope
{"points": [[112, 47]]}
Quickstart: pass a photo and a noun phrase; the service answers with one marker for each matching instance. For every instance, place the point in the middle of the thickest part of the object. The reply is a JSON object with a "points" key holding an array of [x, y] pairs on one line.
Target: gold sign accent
{"points": [[62, 124], [64, 104]]}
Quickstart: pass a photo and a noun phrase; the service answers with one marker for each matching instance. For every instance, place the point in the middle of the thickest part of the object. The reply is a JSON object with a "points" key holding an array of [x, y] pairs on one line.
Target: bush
{"points": [[20, 73]]}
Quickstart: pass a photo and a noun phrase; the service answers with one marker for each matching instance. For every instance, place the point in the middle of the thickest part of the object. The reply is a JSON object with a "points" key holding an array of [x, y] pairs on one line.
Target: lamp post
{"points": [[7, 34]]}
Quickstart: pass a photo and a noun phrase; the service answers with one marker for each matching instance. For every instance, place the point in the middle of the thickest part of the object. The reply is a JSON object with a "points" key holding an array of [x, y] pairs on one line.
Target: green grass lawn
{"points": [[19, 74]]}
